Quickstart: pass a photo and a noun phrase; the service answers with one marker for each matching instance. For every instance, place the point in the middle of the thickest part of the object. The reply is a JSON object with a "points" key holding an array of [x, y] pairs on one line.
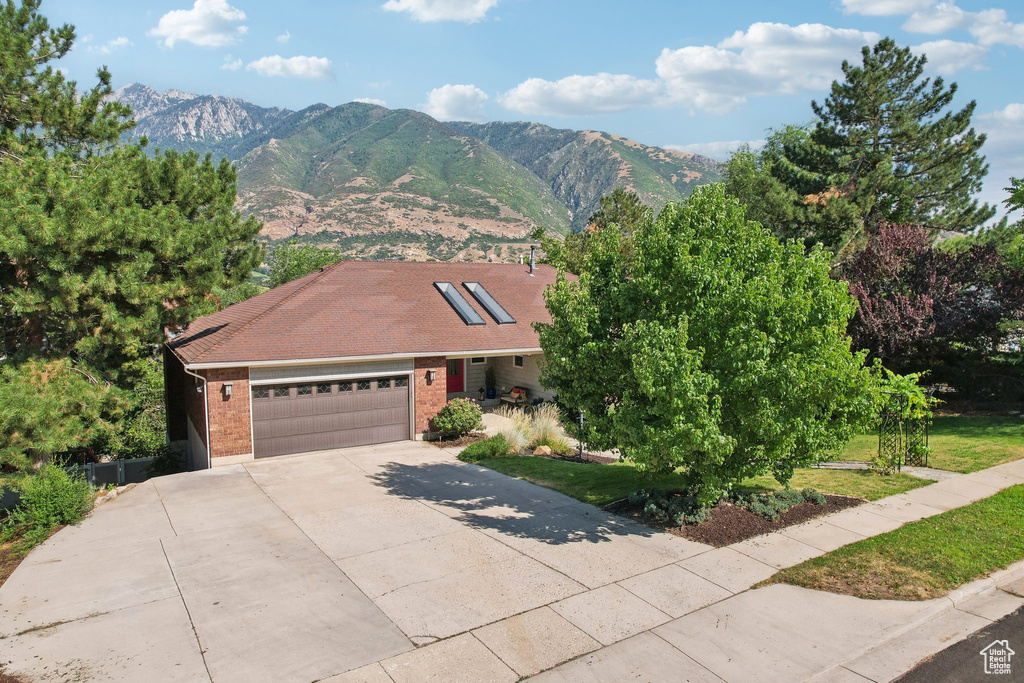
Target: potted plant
{"points": [[491, 381]]}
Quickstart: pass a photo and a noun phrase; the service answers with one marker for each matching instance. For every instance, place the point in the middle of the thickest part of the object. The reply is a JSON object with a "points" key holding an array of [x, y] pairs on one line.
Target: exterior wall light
{"points": [[431, 375], [227, 389]]}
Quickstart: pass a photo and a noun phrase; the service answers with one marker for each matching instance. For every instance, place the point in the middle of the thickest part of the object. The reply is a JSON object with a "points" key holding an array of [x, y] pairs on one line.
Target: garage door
{"points": [[294, 418]]}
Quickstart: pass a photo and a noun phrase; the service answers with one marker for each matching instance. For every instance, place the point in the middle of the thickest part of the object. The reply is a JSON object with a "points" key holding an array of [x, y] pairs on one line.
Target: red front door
{"points": [[456, 380]]}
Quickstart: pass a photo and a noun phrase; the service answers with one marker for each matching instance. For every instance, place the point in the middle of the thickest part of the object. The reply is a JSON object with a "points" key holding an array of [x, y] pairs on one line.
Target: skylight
{"points": [[485, 299], [459, 303]]}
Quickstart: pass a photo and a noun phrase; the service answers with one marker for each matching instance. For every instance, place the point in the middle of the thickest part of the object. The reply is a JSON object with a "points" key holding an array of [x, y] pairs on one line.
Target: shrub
{"points": [[545, 426], [459, 417], [679, 509], [813, 496], [771, 505], [48, 498], [495, 447], [517, 434]]}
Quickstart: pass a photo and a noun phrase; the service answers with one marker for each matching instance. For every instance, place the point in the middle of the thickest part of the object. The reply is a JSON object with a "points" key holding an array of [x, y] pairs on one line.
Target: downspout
{"points": [[206, 411]]}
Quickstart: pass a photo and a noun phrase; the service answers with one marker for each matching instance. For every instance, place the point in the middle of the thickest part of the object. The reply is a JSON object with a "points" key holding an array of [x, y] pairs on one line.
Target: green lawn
{"points": [[924, 559], [602, 484], [857, 483], [960, 443]]}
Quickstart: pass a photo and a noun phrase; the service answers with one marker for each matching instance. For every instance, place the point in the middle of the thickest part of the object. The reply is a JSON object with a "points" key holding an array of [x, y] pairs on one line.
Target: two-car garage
{"points": [[313, 414]]}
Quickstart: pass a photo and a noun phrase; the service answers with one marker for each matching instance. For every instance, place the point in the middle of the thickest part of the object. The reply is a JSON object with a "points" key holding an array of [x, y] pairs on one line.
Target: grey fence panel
{"points": [[136, 471]]}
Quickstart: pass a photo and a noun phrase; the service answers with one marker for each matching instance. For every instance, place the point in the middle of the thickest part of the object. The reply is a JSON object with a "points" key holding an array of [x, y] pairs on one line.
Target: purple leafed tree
{"points": [[919, 304]]}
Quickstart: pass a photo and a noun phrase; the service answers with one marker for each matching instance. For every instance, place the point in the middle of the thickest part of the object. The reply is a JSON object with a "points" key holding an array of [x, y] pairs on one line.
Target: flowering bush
{"points": [[459, 417]]}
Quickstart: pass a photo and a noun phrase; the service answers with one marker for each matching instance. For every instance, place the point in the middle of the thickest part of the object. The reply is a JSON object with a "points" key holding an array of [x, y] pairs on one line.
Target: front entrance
{"points": [[456, 380]]}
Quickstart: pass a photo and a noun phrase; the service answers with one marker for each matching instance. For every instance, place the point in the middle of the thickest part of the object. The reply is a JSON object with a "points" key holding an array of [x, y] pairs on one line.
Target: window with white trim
{"points": [[477, 361], [517, 361]]}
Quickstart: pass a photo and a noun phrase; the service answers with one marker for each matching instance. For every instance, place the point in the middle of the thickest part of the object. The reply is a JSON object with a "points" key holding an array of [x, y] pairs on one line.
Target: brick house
{"points": [[357, 353]]}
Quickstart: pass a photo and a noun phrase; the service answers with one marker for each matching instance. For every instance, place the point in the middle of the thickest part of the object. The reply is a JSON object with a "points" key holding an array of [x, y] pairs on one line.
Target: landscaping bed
{"points": [[459, 442], [731, 523], [923, 559]]}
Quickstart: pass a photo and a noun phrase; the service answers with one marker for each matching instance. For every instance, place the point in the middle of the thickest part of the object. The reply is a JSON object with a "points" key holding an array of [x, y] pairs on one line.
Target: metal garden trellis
{"points": [[902, 440]]}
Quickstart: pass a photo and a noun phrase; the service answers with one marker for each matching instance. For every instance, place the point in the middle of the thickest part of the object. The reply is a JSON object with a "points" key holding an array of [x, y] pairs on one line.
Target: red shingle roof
{"points": [[370, 308]]}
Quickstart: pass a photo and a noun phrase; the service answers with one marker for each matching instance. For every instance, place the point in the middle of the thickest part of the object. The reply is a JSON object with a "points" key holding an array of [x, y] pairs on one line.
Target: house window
{"points": [[304, 390], [383, 384], [477, 361], [517, 361], [260, 392], [323, 388], [363, 385], [453, 368], [281, 392], [401, 382], [344, 386]]}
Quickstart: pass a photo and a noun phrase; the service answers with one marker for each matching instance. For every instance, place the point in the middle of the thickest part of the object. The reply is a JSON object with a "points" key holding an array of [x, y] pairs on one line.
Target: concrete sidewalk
{"points": [[785, 633]]}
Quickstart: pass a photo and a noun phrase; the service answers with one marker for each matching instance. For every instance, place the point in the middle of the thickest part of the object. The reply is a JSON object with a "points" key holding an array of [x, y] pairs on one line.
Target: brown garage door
{"points": [[294, 418]]}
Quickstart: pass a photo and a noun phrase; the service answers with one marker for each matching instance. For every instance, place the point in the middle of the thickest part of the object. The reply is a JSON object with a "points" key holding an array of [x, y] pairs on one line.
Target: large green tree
{"points": [[715, 347], [884, 147], [622, 208], [102, 247], [292, 260]]}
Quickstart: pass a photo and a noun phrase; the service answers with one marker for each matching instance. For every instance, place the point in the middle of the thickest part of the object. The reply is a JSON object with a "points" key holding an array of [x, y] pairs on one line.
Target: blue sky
{"points": [[697, 75]]}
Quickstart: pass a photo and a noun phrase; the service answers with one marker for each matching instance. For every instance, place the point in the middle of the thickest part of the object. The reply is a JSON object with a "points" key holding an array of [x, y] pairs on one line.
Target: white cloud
{"points": [[231, 64], [468, 11], [111, 45], [719, 150], [371, 100], [988, 27], [210, 23], [582, 94], [992, 28], [456, 103], [949, 56], [293, 67], [284, 37], [766, 59], [1004, 150], [883, 8], [937, 19]]}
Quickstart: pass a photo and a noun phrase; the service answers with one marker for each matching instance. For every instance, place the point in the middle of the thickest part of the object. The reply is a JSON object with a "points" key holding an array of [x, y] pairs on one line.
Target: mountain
{"points": [[582, 166], [362, 170], [181, 120], [384, 183]]}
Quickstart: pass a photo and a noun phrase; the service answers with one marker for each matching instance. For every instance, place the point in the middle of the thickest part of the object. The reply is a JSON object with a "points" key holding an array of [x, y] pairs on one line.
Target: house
{"points": [[358, 353]]}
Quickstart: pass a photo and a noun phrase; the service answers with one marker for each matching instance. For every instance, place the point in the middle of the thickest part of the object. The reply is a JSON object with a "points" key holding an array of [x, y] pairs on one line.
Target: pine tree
{"points": [[885, 147], [102, 247]]}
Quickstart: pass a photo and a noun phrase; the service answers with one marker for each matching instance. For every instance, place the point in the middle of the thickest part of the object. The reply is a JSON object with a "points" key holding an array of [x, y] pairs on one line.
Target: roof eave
{"points": [[353, 359]]}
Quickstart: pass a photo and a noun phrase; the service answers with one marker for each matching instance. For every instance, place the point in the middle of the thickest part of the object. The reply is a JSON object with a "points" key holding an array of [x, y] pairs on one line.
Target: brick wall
{"points": [[430, 398], [230, 430]]}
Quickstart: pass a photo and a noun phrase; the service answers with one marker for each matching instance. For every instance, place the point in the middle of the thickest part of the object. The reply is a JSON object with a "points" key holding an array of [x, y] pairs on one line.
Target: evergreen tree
{"points": [[885, 147], [101, 246]]}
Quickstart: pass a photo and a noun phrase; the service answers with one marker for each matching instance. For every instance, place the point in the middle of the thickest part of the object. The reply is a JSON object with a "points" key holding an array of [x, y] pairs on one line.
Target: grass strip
{"points": [[959, 443], [601, 484], [923, 559]]}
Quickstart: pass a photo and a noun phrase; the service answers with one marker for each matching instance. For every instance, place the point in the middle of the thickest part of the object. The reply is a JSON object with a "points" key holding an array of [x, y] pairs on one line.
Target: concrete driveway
{"points": [[307, 567]]}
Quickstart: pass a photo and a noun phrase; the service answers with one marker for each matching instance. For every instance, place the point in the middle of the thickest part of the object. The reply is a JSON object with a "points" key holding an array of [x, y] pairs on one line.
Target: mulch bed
{"points": [[587, 457], [731, 524], [473, 437]]}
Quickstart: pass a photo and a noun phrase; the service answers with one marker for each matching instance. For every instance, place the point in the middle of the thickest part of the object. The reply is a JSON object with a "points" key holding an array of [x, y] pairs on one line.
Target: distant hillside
{"points": [[397, 183], [582, 166], [361, 169]]}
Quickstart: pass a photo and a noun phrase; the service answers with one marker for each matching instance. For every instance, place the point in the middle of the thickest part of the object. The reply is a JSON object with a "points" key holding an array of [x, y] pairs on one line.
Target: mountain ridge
{"points": [[396, 182]]}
